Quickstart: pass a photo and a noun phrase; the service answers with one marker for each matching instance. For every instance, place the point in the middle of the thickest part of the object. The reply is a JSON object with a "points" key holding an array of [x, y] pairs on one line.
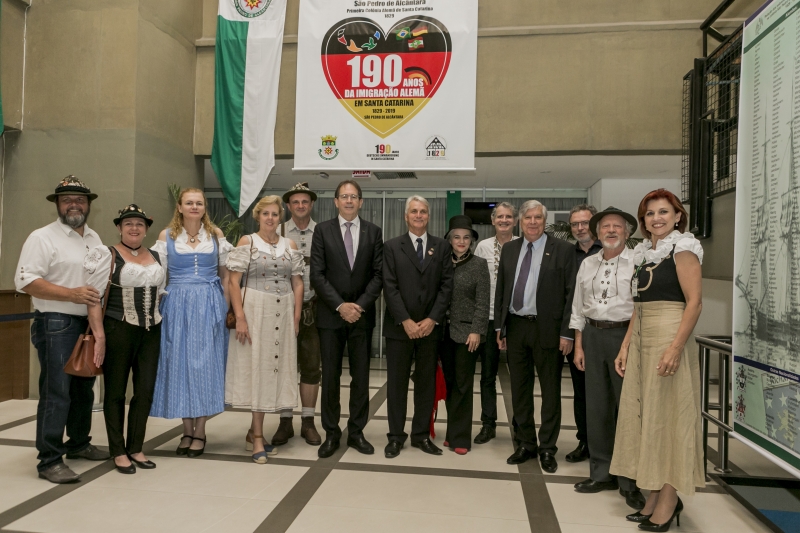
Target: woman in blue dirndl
{"points": [[194, 341]]}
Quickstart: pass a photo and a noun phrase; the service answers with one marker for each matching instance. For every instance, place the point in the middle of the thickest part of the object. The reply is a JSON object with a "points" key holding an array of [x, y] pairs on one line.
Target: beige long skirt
{"points": [[262, 376], [659, 440]]}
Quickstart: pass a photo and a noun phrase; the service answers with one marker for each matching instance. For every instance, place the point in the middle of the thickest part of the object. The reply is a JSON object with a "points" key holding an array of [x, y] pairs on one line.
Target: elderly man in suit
{"points": [[417, 286], [346, 262], [535, 284]]}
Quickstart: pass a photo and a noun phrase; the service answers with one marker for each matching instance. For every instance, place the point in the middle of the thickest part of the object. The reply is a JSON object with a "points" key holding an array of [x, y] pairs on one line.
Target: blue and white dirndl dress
{"points": [[194, 340]]}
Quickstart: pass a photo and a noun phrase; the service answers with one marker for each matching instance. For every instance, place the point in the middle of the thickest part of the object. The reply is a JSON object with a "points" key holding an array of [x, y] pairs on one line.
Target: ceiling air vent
{"points": [[395, 175]]}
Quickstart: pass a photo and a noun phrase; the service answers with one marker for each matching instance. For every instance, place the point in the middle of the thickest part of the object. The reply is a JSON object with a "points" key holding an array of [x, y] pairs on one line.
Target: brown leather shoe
{"points": [[309, 432], [284, 433]]}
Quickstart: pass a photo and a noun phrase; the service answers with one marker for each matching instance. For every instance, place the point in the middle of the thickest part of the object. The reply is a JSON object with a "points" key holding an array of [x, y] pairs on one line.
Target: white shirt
{"points": [[182, 246], [424, 238], [489, 250], [302, 238], [55, 253], [597, 277], [97, 267], [355, 231]]}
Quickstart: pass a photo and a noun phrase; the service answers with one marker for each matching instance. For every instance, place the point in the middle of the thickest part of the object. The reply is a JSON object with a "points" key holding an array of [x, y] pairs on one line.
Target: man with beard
{"points": [[51, 270], [601, 311], [585, 245]]}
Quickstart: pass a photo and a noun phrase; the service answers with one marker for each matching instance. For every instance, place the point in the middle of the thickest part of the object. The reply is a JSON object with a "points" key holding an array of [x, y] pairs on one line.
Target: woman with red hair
{"points": [[658, 441]]}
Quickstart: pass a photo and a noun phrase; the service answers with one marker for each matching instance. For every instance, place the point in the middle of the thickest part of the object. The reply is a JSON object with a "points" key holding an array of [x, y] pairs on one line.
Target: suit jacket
{"points": [[414, 291], [469, 307], [333, 280], [554, 289]]}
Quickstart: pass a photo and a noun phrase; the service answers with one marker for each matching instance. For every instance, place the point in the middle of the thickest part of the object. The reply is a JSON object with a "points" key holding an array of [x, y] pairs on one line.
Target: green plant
{"points": [[231, 227], [562, 230], [174, 190]]}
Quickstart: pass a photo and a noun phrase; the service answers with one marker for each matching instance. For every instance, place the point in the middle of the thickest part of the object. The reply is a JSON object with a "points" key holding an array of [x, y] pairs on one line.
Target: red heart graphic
{"points": [[385, 78]]}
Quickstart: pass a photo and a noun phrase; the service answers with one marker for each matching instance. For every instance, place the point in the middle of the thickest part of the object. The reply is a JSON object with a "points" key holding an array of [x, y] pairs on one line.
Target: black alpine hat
{"points": [[461, 222], [611, 210], [131, 211], [300, 187], [71, 186]]}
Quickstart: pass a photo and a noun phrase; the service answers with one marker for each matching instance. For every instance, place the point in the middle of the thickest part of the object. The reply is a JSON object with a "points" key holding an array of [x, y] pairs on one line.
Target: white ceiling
{"points": [[503, 173]]}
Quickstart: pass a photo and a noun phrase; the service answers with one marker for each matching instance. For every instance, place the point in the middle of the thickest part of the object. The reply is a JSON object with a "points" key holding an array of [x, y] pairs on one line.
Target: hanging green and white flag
{"points": [[248, 64]]}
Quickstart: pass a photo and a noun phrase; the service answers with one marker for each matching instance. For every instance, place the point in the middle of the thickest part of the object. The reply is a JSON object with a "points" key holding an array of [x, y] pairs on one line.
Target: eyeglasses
{"points": [[349, 197], [581, 224]]}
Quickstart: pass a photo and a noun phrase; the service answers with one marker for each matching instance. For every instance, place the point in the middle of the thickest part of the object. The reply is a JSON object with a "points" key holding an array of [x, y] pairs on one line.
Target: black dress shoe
{"points": [[327, 448], [427, 446], [634, 498], [638, 517], [486, 434], [181, 450], [361, 445], [196, 453], [548, 461], [392, 449], [146, 465], [591, 486], [520, 456], [581, 453], [130, 469]]}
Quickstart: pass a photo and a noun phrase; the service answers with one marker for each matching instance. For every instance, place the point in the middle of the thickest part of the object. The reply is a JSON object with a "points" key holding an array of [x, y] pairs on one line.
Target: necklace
{"points": [[134, 252], [192, 238], [273, 244], [605, 296]]}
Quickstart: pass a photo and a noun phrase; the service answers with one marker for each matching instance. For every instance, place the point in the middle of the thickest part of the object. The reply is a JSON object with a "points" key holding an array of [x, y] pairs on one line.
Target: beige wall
{"points": [[109, 97]]}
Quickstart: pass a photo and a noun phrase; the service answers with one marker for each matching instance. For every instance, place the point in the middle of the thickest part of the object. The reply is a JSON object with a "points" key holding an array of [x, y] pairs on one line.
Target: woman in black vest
{"points": [[129, 336]]}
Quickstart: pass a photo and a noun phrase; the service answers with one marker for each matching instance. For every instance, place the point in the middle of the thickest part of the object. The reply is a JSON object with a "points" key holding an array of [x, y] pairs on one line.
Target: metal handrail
{"points": [[722, 345]]}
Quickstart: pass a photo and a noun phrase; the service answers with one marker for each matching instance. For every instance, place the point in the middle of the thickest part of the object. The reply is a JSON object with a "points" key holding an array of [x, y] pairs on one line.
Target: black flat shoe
{"points": [[392, 449], [181, 450], [637, 517], [145, 465], [427, 446], [361, 444], [591, 486], [130, 469], [548, 461], [647, 525], [581, 453], [196, 453], [634, 498], [486, 434], [520, 456], [327, 448]]}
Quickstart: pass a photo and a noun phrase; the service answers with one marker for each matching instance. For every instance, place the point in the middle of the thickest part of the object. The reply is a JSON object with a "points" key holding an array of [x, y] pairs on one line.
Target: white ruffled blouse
{"points": [[683, 242], [182, 246]]}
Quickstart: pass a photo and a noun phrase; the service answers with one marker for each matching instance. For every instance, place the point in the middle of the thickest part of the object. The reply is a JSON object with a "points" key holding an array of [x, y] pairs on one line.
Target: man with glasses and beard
{"points": [[601, 312], [50, 269]]}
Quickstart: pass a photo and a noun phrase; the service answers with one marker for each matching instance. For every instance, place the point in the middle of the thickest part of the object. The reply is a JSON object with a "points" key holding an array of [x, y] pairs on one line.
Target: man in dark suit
{"points": [[417, 286], [346, 261], [535, 284]]}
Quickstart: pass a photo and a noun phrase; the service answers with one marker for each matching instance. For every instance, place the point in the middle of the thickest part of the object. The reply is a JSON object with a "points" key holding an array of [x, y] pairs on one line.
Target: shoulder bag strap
{"points": [[246, 274]]}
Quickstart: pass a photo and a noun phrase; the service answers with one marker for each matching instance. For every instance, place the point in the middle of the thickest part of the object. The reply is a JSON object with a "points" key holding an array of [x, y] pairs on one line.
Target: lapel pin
{"points": [[430, 252], [546, 253]]}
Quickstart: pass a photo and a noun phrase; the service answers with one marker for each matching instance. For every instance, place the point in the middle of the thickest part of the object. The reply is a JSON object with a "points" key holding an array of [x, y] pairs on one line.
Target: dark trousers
{"points": [[490, 360], [64, 401], [579, 396], [603, 389], [308, 349], [458, 366], [524, 355], [399, 356], [129, 348], [333, 342]]}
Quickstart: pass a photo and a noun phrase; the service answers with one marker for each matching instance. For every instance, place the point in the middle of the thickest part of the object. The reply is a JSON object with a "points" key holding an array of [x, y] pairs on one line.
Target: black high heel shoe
{"points": [[647, 525], [638, 517], [197, 453]]}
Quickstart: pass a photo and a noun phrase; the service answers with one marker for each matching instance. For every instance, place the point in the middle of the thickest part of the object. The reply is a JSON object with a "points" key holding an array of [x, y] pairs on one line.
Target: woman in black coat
{"points": [[468, 318]]}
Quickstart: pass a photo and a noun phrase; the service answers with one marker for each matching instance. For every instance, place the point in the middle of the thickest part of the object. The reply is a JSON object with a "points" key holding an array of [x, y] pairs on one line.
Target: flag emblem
{"points": [[251, 8]]}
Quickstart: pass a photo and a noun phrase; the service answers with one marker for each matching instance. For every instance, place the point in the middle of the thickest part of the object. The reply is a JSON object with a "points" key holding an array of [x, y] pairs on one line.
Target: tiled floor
{"points": [[297, 492]]}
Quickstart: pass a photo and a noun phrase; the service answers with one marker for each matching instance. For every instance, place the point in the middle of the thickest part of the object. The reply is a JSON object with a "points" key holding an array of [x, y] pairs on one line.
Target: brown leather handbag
{"points": [[81, 362], [230, 318]]}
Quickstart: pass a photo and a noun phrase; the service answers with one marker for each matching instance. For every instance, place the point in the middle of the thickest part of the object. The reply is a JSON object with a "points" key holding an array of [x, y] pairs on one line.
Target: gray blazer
{"points": [[469, 308]]}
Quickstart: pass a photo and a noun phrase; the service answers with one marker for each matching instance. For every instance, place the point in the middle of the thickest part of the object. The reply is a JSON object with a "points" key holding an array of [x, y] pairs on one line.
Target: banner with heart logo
{"points": [[389, 85]]}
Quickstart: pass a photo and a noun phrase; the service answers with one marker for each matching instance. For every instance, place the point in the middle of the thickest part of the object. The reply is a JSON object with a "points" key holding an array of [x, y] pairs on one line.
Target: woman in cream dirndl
{"points": [[658, 440], [194, 340], [262, 351]]}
